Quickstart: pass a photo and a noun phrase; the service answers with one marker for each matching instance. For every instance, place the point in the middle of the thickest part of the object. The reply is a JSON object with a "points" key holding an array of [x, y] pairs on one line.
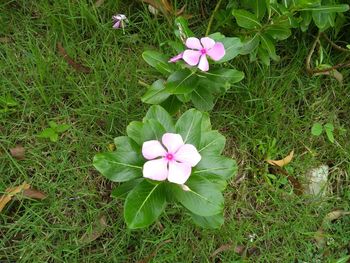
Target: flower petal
{"points": [[217, 52], [178, 172], [193, 43], [152, 149], [176, 58], [207, 42], [203, 63], [156, 169], [188, 154], [191, 57], [116, 25], [172, 142]]}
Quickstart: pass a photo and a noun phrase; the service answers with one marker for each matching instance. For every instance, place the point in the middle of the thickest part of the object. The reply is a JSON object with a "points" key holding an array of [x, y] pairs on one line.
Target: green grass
{"points": [[268, 114]]}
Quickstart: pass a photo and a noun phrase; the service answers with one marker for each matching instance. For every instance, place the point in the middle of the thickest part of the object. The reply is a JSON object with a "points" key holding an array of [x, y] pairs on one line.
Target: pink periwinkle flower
{"points": [[119, 21], [172, 159], [199, 50]]}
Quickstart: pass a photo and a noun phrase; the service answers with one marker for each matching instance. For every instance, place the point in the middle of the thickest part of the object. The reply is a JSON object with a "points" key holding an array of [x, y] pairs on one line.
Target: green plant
{"points": [[318, 128], [146, 199], [53, 131]]}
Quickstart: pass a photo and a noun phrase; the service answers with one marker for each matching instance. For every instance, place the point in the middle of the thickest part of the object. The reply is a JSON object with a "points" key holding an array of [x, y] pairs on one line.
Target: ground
{"points": [[267, 115]]}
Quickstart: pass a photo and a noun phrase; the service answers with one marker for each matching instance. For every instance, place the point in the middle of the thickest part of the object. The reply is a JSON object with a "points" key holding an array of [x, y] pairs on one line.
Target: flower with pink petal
{"points": [[170, 160], [199, 50], [119, 21]]}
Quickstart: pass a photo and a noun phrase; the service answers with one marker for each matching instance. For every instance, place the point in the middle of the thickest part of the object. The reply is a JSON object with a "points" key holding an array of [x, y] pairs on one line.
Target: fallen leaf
{"points": [[154, 253], [34, 194], [97, 230], [70, 61], [18, 152], [10, 192], [283, 161], [319, 236], [5, 40], [222, 248]]}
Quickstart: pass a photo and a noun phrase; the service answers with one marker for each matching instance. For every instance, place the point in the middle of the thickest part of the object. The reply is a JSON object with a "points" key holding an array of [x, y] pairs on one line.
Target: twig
{"points": [[341, 65], [334, 45], [309, 56], [212, 17]]}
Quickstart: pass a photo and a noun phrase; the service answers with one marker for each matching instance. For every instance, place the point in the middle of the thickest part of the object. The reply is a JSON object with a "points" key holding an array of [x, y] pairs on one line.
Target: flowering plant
{"points": [[160, 162], [190, 76]]}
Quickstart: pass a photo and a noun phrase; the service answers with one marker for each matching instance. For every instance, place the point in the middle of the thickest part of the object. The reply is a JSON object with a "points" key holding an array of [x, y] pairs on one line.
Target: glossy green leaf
{"points": [[156, 93], [320, 19], [221, 166], [162, 116], [144, 204], [119, 166], [202, 99], [181, 82], [122, 190], [328, 8], [212, 143], [189, 127], [203, 198], [209, 222], [306, 20], [329, 128], [126, 144], [158, 61], [250, 45], [172, 104], [268, 45], [279, 32], [152, 130], [134, 131], [206, 123], [224, 76], [232, 46], [259, 7], [246, 19]]}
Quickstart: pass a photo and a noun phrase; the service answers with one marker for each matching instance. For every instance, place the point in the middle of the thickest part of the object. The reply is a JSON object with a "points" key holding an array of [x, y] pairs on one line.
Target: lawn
{"points": [[267, 115]]}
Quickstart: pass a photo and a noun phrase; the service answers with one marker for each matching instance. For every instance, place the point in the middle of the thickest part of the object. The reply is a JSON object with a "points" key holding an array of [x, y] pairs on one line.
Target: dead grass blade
{"points": [[70, 61]]}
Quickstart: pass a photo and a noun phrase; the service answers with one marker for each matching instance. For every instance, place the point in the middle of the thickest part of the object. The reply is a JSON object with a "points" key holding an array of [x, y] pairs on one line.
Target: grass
{"points": [[267, 115]]}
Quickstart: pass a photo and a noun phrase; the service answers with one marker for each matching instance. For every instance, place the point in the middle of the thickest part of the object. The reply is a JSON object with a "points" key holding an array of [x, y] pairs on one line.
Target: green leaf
{"points": [[160, 114], [61, 128], [144, 204], [53, 124], [329, 128], [268, 45], [206, 124], [202, 99], [212, 143], [152, 130], [54, 137], [224, 76], [172, 104], [156, 93], [316, 129], [246, 19], [279, 32], [320, 19], [189, 127], [158, 61], [306, 20], [181, 82], [134, 131], [264, 56], [220, 166], [328, 8], [47, 133], [203, 198], [250, 45], [122, 190], [183, 24], [232, 46], [210, 222], [259, 7], [122, 165]]}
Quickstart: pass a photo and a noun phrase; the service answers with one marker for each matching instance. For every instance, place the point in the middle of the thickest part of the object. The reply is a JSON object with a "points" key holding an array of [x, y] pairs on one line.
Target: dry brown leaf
{"points": [[18, 152], [70, 61], [319, 236], [97, 230], [154, 253], [283, 161], [222, 248], [34, 194], [10, 192]]}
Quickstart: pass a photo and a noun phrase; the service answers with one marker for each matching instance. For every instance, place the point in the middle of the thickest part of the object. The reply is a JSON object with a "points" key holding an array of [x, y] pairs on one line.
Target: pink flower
{"points": [[176, 58], [172, 160], [119, 21], [197, 54]]}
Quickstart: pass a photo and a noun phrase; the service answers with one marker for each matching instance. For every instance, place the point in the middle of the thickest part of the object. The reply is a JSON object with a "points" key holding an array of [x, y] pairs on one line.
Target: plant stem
{"points": [[212, 17]]}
